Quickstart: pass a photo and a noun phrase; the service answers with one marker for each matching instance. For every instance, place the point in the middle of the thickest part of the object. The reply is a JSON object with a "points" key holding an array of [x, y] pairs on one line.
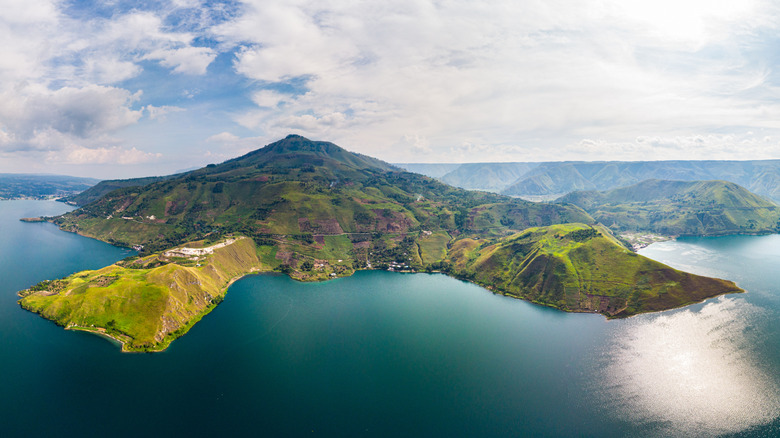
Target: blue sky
{"points": [[131, 88]]}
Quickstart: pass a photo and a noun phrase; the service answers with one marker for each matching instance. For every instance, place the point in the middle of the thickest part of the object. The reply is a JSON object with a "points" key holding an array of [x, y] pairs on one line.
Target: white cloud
{"points": [[230, 145], [416, 144], [59, 97], [159, 112], [187, 60], [34, 117], [538, 73], [685, 147], [102, 155], [268, 98], [445, 81]]}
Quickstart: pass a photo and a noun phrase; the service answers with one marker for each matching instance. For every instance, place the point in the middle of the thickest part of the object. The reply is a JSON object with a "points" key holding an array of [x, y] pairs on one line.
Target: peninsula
{"points": [[315, 211]]}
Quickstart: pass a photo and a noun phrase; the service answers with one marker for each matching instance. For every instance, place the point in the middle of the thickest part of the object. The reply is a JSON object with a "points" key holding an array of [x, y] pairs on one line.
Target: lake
{"points": [[388, 354]]}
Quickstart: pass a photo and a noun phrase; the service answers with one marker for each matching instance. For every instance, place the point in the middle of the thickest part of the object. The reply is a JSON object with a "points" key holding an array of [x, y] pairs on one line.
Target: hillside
{"points": [[680, 208], [145, 303], [295, 189], [579, 268], [316, 211], [100, 189], [33, 186]]}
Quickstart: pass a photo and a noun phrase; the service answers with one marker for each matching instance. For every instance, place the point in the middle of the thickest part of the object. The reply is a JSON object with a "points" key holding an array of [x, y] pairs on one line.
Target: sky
{"points": [[115, 89]]}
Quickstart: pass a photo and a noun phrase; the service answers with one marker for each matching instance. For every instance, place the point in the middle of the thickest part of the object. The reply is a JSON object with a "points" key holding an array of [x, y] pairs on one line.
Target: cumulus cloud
{"points": [[229, 145], [746, 145], [102, 155], [268, 98], [446, 81], [159, 112], [34, 117], [187, 60], [504, 73], [60, 73]]}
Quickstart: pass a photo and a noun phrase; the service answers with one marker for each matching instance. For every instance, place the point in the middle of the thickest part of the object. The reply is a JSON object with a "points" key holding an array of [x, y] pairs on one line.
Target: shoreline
{"points": [[639, 240], [124, 342], [100, 331]]}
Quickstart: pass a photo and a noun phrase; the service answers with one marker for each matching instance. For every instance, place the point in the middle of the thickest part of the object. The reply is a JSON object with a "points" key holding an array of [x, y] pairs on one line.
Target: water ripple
{"points": [[692, 373]]}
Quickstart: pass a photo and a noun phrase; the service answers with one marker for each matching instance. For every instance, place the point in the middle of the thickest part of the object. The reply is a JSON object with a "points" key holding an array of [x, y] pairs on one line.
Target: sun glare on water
{"points": [[692, 373]]}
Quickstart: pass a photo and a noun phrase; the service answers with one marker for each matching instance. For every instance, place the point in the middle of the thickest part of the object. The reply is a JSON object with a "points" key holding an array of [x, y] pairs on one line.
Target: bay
{"points": [[388, 354]]}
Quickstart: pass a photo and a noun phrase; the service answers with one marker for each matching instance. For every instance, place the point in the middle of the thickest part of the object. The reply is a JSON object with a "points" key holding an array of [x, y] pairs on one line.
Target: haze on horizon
{"points": [[125, 88]]}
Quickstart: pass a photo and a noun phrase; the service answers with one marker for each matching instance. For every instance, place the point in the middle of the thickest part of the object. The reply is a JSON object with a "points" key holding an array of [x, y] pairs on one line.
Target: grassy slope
{"points": [[680, 207], [143, 305], [100, 189], [576, 267], [296, 187]]}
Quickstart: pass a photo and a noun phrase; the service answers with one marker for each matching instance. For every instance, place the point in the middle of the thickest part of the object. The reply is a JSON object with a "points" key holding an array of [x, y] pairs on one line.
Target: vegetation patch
{"points": [[579, 268], [143, 308]]}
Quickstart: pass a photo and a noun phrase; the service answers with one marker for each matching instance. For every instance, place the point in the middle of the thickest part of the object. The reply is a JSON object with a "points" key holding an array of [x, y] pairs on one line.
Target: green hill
{"points": [[148, 302], [315, 211], [100, 189], [579, 268], [680, 208]]}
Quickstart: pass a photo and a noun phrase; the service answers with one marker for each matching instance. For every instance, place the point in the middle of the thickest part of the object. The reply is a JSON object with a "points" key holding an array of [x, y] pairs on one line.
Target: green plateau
{"points": [[315, 211], [675, 208]]}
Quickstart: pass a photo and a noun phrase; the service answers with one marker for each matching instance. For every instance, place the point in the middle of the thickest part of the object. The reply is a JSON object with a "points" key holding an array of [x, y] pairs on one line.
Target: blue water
{"points": [[387, 354]]}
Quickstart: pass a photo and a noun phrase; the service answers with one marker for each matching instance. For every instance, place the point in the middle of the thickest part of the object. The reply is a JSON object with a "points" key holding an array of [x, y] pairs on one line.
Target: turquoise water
{"points": [[387, 354]]}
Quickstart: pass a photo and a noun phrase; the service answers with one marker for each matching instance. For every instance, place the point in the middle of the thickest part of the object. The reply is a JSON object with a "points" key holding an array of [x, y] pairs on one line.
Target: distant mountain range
{"points": [[41, 186], [552, 179], [680, 208]]}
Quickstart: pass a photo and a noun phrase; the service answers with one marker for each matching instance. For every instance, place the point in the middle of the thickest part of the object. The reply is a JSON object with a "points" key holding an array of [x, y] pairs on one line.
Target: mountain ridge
{"points": [[553, 179], [680, 208]]}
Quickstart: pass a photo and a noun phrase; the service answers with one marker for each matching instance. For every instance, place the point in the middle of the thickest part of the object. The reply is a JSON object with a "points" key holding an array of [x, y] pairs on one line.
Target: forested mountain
{"points": [[680, 208], [296, 187]]}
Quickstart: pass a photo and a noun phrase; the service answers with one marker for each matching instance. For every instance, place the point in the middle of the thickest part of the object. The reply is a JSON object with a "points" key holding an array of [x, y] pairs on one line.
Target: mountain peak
{"points": [[298, 143], [298, 153]]}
